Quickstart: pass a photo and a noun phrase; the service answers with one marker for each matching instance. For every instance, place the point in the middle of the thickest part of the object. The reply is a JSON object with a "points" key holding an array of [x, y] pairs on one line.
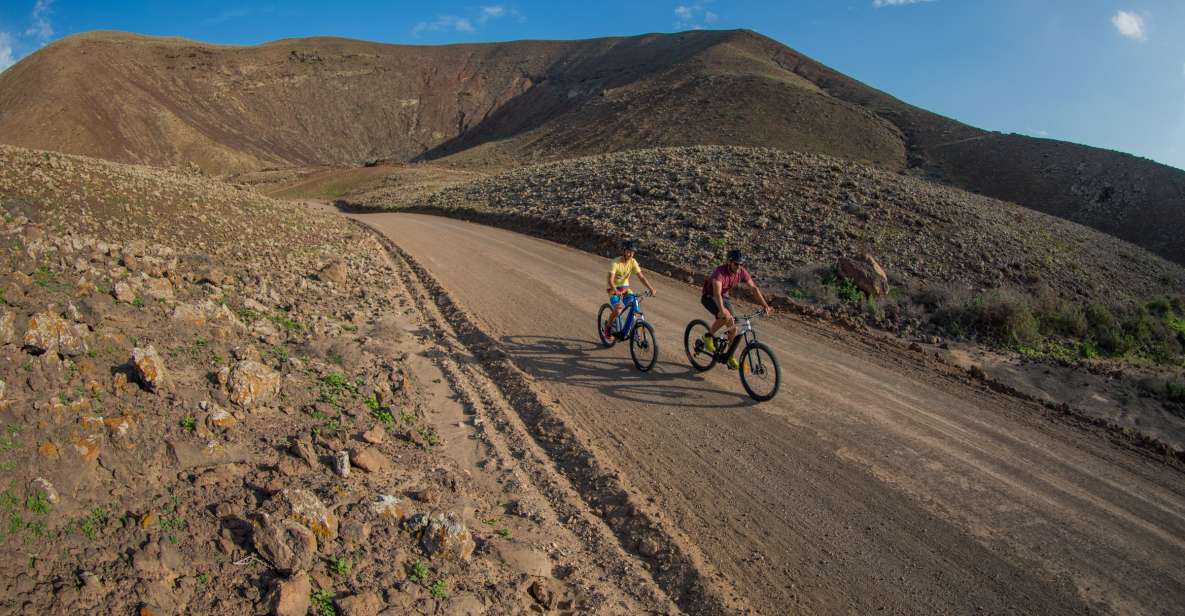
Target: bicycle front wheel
{"points": [[693, 344], [760, 373], [644, 346], [604, 316]]}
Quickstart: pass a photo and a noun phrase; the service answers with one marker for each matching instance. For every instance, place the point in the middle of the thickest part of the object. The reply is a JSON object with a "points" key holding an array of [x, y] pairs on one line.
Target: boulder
{"points": [[251, 383], [866, 273], [291, 597], [150, 368]]}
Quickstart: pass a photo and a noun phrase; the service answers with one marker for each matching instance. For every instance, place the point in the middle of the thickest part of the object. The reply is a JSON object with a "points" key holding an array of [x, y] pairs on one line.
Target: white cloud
{"points": [[491, 12], [1130, 25], [694, 16], [444, 23], [40, 26], [883, 3], [457, 23], [6, 59]]}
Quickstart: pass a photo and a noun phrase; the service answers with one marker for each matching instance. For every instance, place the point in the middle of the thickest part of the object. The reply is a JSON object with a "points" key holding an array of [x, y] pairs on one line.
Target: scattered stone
{"points": [[220, 419], [362, 604], [251, 383], [150, 368], [391, 508], [341, 464], [46, 488], [7, 327], [543, 591], [91, 584], [866, 273], [375, 435], [334, 272], [291, 597], [47, 332], [369, 460], [444, 534], [124, 292], [303, 449], [287, 545]]}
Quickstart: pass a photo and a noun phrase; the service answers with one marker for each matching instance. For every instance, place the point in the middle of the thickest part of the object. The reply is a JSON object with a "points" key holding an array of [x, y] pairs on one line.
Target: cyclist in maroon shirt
{"points": [[715, 298]]}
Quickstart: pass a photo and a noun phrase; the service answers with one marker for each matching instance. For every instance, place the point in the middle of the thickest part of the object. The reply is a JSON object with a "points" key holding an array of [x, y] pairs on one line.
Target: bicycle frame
{"points": [[632, 314], [745, 332]]}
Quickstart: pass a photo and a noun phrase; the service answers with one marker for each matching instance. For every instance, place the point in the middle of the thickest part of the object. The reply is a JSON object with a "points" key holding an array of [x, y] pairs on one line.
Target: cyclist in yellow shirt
{"points": [[620, 270]]}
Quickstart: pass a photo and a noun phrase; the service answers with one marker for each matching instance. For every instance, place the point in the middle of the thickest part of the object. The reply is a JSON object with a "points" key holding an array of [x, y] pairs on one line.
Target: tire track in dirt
{"points": [[673, 562]]}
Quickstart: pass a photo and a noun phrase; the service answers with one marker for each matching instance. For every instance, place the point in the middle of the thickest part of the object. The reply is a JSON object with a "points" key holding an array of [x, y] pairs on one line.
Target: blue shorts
{"points": [[616, 298]]}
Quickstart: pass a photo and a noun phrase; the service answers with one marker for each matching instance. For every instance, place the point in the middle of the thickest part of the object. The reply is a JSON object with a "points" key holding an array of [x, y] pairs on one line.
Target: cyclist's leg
{"points": [[616, 304], [732, 324]]}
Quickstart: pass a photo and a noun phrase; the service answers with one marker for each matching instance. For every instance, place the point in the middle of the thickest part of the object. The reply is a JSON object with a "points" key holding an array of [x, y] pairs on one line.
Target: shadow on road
{"points": [[585, 363]]}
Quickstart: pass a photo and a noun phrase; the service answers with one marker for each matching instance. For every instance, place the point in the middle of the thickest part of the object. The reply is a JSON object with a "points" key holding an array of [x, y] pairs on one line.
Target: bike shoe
{"points": [[732, 363], [709, 343]]}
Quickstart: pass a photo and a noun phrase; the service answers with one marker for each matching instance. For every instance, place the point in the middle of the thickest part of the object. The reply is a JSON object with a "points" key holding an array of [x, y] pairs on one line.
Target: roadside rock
{"points": [[150, 368], [341, 464], [291, 597], [375, 435], [866, 273], [251, 383]]}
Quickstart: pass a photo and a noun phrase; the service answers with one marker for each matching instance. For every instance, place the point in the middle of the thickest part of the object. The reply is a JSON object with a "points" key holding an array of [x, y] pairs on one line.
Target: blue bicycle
{"points": [[630, 325]]}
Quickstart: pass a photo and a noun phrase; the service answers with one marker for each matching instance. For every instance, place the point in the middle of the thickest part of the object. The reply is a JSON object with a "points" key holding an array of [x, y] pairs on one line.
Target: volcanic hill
{"points": [[329, 101]]}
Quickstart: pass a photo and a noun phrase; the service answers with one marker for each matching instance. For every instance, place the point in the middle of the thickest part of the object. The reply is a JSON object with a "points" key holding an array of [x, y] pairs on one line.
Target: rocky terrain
{"points": [[326, 101], [216, 403]]}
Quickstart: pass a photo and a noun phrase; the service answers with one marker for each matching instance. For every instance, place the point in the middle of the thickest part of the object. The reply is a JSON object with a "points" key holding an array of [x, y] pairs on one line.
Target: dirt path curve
{"points": [[870, 485]]}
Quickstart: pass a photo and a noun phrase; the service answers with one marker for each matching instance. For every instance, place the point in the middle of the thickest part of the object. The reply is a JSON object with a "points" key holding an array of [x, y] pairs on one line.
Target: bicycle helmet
{"points": [[736, 256], [629, 245]]}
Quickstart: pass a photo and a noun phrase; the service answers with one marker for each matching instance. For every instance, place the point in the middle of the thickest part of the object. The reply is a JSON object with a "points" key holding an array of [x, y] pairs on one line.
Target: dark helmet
{"points": [[736, 256], [629, 245]]}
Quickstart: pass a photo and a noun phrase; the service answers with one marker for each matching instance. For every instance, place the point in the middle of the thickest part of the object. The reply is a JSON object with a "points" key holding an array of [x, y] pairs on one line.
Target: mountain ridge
{"points": [[336, 101]]}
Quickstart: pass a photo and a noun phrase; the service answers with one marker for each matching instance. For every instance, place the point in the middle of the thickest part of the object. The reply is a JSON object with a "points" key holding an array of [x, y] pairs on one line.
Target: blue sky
{"points": [[1100, 72]]}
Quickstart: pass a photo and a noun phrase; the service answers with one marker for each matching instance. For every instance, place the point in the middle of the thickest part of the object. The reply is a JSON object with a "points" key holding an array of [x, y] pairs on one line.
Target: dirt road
{"points": [[871, 484]]}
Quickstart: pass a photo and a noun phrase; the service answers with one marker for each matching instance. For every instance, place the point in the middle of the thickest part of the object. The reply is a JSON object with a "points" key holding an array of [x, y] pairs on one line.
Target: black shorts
{"points": [[709, 302]]}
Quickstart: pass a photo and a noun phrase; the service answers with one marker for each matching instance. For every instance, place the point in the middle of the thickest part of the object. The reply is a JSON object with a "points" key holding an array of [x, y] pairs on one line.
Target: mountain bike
{"points": [[760, 374], [630, 325]]}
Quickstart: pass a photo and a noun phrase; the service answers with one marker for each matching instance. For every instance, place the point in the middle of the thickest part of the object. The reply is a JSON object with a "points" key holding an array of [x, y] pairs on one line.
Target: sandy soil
{"points": [[875, 482]]}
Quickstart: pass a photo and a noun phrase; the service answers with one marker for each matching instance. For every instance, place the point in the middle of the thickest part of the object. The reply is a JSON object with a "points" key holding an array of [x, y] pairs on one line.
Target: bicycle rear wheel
{"points": [[644, 346], [693, 344], [604, 315], [760, 373]]}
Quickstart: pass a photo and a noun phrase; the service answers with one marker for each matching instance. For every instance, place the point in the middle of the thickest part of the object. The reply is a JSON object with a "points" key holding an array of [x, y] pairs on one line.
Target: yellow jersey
{"points": [[622, 271]]}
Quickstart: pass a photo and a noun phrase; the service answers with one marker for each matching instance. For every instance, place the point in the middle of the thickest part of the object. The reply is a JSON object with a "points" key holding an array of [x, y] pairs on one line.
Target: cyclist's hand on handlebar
{"points": [[650, 293], [767, 311]]}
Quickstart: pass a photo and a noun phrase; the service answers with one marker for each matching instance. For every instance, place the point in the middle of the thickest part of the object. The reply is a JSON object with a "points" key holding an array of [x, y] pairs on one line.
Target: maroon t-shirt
{"points": [[727, 279]]}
